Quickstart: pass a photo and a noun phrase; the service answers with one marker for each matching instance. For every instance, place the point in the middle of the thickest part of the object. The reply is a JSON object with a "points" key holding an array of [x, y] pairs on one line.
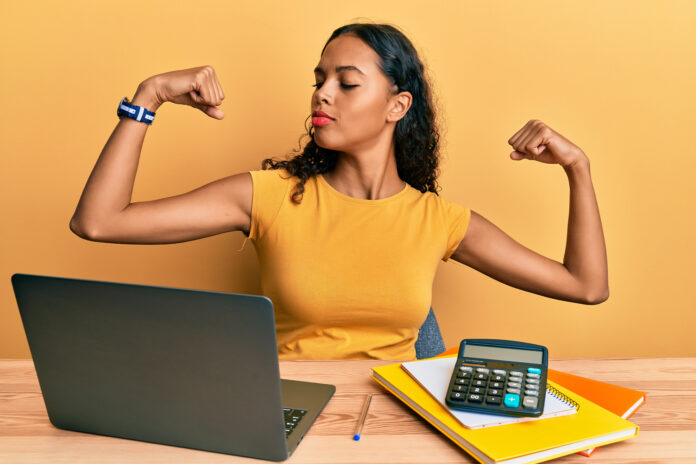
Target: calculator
{"points": [[499, 377]]}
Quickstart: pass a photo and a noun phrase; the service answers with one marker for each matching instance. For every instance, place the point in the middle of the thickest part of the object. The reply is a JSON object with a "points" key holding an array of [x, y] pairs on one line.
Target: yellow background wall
{"points": [[615, 77]]}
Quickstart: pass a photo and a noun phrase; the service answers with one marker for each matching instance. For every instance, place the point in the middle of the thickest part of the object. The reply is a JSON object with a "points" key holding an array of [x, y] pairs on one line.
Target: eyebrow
{"points": [[339, 69]]}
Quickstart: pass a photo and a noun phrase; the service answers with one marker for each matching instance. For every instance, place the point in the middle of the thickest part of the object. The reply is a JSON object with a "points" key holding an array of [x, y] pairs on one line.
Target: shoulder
{"points": [[271, 174], [454, 216], [442, 204], [270, 193], [272, 179]]}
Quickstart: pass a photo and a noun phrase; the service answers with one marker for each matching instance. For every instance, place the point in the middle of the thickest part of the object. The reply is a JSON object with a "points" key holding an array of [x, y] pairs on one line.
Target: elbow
{"points": [[596, 298], [75, 228], [79, 229]]}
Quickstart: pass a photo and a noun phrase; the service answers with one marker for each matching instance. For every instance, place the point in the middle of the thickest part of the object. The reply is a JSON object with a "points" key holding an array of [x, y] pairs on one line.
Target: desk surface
{"points": [[392, 433]]}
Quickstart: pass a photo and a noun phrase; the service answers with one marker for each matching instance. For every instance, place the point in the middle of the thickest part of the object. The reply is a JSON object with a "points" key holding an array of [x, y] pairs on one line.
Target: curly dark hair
{"points": [[416, 135]]}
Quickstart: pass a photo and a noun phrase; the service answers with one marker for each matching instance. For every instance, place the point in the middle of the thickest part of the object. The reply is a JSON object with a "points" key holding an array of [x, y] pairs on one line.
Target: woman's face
{"points": [[357, 95]]}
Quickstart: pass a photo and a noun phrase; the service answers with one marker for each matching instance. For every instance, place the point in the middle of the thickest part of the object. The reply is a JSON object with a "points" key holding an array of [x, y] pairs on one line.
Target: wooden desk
{"points": [[392, 433]]}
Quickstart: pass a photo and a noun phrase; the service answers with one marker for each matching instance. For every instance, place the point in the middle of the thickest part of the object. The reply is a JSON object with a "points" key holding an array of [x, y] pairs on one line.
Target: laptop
{"points": [[189, 368]]}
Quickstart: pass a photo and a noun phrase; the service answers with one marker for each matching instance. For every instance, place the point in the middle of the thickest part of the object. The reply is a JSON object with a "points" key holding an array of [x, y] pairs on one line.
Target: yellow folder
{"points": [[524, 442]]}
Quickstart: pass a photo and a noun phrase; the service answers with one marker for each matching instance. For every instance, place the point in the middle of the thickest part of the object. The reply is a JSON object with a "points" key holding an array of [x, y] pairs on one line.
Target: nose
{"points": [[322, 95]]}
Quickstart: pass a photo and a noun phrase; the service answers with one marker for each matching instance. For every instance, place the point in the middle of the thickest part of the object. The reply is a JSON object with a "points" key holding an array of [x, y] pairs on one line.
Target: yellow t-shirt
{"points": [[349, 278]]}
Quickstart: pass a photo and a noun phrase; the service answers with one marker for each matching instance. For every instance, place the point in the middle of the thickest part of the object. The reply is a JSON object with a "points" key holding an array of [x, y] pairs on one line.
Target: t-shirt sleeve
{"points": [[456, 219], [269, 191]]}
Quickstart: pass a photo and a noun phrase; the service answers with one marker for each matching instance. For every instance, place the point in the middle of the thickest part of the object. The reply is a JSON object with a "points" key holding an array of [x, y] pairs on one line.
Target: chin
{"points": [[323, 144]]}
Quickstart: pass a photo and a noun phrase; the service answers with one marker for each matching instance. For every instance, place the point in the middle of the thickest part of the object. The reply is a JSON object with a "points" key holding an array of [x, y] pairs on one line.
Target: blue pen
{"points": [[363, 415]]}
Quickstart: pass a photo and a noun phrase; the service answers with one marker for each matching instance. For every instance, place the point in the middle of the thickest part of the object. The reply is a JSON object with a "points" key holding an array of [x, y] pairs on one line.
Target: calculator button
{"points": [[477, 390], [482, 370], [494, 392], [466, 369], [499, 372], [479, 383], [534, 370], [534, 381], [530, 402], [531, 393], [532, 387], [481, 376], [516, 374], [498, 378], [460, 388], [516, 391], [533, 376], [464, 375], [475, 398], [496, 385], [514, 384], [457, 396], [461, 381], [493, 400], [512, 401]]}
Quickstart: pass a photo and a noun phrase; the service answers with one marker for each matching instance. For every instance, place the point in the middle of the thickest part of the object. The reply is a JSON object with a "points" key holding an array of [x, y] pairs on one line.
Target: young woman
{"points": [[349, 232]]}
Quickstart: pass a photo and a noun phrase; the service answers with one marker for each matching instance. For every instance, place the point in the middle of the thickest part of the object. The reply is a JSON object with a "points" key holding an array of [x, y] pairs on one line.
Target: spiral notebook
{"points": [[434, 375]]}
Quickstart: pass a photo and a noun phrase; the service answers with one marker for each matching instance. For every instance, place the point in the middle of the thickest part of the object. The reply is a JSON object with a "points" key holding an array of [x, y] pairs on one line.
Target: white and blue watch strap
{"points": [[139, 113]]}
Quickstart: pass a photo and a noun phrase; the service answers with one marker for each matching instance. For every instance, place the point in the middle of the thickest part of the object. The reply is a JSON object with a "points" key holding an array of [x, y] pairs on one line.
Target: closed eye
{"points": [[345, 86]]}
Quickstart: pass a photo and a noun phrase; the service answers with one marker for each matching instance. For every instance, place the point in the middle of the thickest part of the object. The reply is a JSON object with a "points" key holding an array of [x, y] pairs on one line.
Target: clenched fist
{"points": [[537, 141], [197, 87]]}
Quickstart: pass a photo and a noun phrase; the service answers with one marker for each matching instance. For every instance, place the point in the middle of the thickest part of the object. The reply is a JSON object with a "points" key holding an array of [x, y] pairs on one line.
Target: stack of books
{"points": [[580, 414]]}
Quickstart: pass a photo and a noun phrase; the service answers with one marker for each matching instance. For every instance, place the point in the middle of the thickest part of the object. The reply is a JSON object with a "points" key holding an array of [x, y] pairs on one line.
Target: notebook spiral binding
{"points": [[563, 397]]}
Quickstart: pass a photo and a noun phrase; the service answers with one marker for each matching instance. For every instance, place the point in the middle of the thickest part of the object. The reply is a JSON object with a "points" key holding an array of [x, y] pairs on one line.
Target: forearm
{"points": [[585, 254], [110, 185]]}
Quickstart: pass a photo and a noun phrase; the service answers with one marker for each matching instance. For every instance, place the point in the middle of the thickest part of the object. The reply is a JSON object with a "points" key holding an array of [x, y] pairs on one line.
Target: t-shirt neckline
{"points": [[363, 201]]}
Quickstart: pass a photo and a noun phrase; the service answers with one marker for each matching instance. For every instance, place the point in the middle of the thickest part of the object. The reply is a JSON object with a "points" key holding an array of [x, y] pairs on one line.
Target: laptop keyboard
{"points": [[292, 418]]}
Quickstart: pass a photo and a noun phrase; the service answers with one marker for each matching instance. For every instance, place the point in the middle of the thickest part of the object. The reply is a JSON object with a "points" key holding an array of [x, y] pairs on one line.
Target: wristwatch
{"points": [[139, 113]]}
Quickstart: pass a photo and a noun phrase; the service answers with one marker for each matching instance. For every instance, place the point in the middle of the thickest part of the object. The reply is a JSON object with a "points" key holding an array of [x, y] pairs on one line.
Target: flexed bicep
{"points": [[489, 250]]}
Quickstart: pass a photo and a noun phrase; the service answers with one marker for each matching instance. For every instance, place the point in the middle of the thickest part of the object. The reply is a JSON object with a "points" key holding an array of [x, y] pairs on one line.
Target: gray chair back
{"points": [[429, 342]]}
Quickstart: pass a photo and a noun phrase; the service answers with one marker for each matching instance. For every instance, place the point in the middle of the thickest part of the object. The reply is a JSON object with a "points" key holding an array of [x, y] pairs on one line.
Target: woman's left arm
{"points": [[583, 275]]}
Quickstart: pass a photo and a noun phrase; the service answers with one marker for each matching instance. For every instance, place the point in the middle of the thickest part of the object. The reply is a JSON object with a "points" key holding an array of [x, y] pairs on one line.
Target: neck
{"points": [[366, 177]]}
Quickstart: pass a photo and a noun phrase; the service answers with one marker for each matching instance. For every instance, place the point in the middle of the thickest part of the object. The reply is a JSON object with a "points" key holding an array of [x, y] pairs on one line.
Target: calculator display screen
{"points": [[503, 354]]}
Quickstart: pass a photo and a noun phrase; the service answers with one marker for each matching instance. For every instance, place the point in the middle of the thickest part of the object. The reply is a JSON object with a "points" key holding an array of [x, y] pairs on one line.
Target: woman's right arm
{"points": [[105, 212]]}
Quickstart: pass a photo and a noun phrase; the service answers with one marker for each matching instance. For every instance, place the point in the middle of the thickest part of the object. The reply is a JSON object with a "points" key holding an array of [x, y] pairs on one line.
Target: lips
{"points": [[321, 121], [321, 114]]}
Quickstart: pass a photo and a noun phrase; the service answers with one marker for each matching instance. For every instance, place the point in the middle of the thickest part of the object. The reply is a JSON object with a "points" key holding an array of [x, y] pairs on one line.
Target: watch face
{"points": [[119, 112]]}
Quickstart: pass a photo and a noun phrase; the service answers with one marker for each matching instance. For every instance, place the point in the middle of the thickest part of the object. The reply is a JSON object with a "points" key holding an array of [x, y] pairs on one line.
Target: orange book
{"points": [[621, 401]]}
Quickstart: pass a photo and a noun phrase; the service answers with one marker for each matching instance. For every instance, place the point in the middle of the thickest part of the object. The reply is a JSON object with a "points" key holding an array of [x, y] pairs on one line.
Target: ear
{"points": [[399, 106]]}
